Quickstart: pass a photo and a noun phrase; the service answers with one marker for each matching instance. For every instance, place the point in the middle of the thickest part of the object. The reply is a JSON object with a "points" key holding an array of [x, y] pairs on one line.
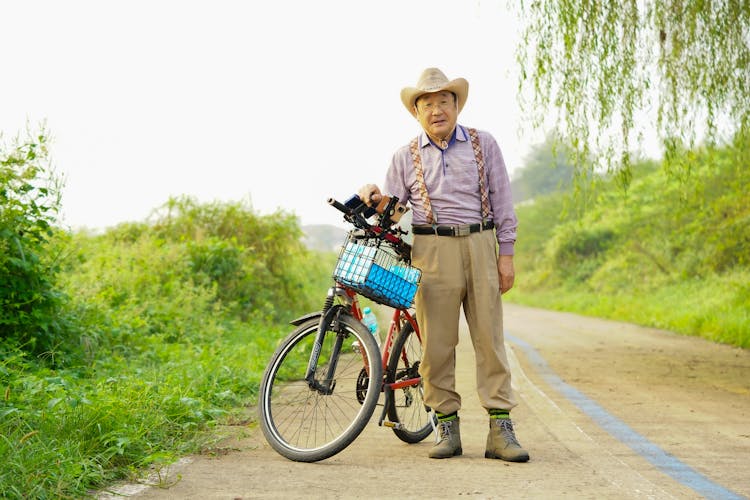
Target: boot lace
{"points": [[444, 430], [506, 428]]}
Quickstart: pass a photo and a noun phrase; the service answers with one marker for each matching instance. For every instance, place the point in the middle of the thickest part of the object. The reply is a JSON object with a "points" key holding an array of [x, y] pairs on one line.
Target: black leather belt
{"points": [[453, 229]]}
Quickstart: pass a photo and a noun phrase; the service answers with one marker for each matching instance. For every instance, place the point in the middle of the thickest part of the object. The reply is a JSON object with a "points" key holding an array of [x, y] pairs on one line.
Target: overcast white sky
{"points": [[282, 102]]}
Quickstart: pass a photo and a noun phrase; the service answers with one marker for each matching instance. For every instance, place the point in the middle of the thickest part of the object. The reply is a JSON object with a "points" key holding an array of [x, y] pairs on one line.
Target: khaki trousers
{"points": [[461, 271]]}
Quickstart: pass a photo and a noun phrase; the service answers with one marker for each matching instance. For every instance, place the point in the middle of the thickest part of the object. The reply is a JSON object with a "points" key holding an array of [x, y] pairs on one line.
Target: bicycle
{"points": [[324, 380]]}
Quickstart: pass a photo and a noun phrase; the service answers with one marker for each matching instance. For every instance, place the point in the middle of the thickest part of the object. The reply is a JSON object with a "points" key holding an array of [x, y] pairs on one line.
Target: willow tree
{"points": [[609, 72]]}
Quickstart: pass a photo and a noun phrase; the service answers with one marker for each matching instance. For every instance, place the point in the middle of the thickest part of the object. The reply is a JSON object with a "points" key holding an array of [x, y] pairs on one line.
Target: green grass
{"points": [[715, 308], [173, 323], [65, 431], [667, 253]]}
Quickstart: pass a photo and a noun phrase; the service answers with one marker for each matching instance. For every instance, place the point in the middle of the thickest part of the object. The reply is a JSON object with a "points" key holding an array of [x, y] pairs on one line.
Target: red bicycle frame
{"points": [[399, 318]]}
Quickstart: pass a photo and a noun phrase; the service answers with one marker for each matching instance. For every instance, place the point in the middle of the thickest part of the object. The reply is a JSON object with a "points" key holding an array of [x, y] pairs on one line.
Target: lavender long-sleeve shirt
{"points": [[452, 181]]}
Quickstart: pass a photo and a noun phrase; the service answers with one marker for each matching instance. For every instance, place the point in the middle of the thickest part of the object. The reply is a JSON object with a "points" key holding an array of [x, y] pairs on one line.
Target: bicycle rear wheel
{"points": [[305, 424], [406, 406]]}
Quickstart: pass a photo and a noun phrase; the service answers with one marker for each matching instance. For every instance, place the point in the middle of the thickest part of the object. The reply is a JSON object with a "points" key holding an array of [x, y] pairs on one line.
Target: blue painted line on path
{"points": [[665, 462]]}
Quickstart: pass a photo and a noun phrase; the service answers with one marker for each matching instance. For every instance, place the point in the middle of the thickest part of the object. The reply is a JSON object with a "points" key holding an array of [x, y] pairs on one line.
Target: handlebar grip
{"points": [[339, 206], [353, 206]]}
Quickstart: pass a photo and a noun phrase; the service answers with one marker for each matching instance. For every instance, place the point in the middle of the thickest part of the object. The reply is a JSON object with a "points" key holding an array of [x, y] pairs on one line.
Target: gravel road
{"points": [[606, 410]]}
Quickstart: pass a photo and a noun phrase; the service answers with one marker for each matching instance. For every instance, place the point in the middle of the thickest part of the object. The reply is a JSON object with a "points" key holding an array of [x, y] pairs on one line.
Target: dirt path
{"points": [[606, 410]]}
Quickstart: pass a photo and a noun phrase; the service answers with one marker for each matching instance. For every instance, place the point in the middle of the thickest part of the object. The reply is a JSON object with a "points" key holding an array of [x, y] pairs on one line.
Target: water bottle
{"points": [[371, 322]]}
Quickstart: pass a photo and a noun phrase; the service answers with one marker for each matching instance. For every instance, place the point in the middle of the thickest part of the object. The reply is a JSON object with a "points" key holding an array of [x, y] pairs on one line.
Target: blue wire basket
{"points": [[372, 268]]}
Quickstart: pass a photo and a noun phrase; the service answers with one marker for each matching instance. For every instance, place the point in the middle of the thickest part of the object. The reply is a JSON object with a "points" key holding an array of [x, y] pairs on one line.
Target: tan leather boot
{"points": [[502, 442], [449, 440]]}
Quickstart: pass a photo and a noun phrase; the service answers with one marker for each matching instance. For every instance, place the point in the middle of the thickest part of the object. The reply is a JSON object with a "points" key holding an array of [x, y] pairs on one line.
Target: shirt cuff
{"points": [[506, 248]]}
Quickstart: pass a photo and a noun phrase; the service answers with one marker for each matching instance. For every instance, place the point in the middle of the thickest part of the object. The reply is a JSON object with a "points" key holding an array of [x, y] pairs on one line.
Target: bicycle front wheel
{"points": [[303, 422], [405, 402]]}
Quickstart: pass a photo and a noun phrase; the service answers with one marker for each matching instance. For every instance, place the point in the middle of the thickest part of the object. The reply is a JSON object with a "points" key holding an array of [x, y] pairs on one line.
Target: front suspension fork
{"points": [[329, 317]]}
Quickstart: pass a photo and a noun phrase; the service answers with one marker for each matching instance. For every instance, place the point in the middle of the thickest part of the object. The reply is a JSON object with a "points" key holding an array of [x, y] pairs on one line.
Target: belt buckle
{"points": [[462, 230]]}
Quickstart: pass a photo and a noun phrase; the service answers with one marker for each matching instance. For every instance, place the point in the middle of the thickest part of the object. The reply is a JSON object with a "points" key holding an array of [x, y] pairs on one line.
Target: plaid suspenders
{"points": [[417, 160]]}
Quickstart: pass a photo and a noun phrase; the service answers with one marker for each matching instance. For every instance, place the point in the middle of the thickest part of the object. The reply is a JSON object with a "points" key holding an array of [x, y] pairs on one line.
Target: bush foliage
{"points": [[671, 252], [121, 350], [31, 305]]}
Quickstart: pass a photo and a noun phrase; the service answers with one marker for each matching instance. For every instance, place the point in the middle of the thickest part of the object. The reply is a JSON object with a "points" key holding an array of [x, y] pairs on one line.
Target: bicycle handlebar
{"points": [[356, 215], [341, 207]]}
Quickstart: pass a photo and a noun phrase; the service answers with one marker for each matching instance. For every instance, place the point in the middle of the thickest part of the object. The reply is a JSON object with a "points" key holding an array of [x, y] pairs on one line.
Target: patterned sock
{"points": [[503, 414], [442, 417]]}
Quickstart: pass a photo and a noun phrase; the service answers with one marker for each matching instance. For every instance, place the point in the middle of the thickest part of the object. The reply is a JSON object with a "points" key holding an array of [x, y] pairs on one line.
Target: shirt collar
{"points": [[459, 134]]}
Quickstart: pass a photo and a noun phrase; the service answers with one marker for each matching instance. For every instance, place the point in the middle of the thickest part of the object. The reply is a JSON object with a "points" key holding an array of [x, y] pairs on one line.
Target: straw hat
{"points": [[433, 80]]}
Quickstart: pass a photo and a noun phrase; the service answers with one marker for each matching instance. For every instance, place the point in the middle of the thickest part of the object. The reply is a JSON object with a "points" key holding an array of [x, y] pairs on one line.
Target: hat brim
{"points": [[459, 86]]}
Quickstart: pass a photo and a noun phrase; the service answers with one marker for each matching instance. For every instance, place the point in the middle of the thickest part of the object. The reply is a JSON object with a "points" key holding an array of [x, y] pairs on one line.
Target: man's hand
{"points": [[505, 272], [369, 194]]}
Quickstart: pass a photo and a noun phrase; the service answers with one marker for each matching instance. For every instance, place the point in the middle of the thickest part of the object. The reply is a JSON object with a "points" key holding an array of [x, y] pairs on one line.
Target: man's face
{"points": [[437, 113]]}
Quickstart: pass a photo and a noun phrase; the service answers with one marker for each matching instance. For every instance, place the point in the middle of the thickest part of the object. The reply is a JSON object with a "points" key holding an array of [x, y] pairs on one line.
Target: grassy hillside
{"points": [[169, 326], [671, 251]]}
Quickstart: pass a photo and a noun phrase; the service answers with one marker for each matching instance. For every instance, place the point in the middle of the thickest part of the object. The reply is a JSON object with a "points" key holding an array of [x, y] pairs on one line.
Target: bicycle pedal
{"points": [[392, 425]]}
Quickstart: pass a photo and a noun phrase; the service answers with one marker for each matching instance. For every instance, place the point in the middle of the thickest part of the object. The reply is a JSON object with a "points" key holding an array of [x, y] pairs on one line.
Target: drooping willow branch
{"points": [[610, 72]]}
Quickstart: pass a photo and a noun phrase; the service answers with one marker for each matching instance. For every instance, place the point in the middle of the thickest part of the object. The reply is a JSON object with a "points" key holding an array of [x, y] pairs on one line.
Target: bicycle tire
{"points": [[301, 423], [406, 406]]}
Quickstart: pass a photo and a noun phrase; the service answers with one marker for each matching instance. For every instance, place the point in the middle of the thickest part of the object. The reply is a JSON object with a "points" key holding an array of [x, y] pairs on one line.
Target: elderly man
{"points": [[464, 227]]}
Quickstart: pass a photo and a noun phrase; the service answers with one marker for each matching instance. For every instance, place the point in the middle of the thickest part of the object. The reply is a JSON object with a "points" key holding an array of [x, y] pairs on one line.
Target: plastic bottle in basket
{"points": [[371, 322], [410, 274]]}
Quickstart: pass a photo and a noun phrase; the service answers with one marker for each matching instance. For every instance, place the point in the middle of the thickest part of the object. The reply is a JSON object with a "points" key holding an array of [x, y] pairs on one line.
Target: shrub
{"points": [[30, 302]]}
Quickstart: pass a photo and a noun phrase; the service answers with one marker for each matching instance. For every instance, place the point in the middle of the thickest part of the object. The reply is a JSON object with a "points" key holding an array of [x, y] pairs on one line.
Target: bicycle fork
{"points": [[329, 318], [329, 314]]}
